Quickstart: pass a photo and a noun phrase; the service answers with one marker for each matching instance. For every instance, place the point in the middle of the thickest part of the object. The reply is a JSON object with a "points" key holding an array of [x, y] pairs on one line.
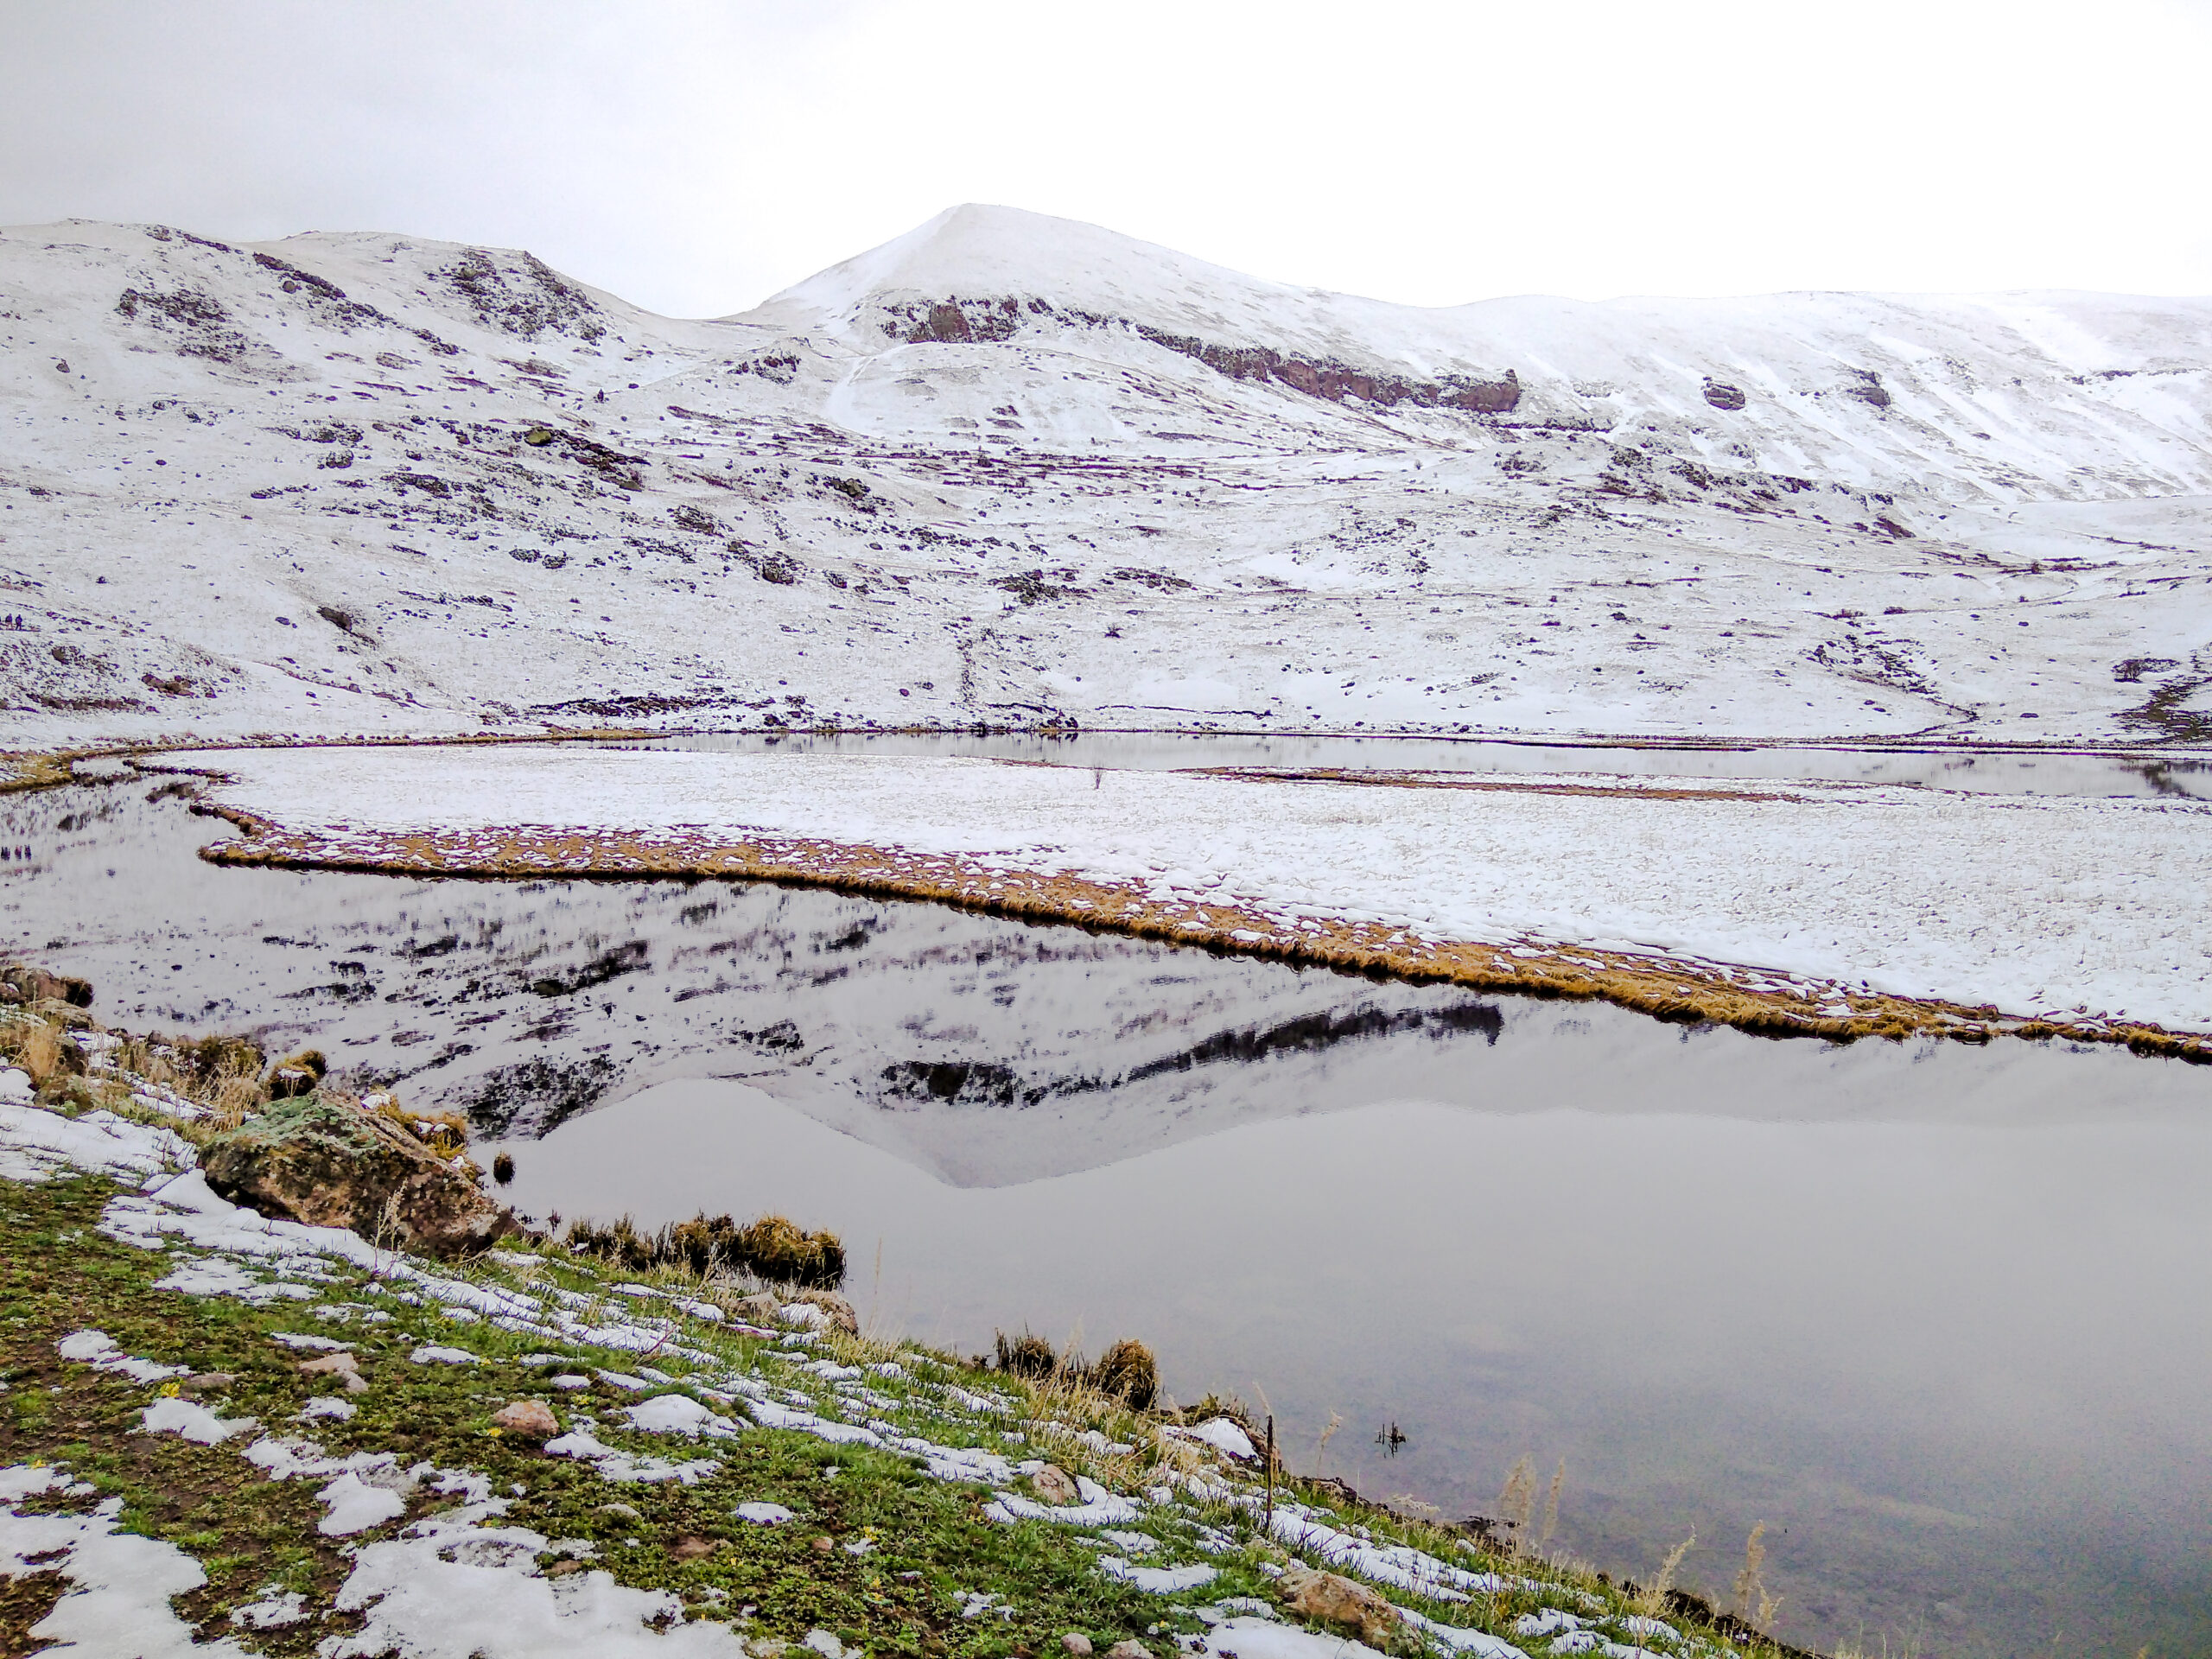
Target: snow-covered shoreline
{"points": [[462, 1580], [2060, 908]]}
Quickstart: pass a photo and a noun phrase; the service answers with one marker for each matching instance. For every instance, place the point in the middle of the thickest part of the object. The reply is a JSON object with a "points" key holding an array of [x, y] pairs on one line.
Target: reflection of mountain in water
{"points": [[524, 1003], [982, 1083]]}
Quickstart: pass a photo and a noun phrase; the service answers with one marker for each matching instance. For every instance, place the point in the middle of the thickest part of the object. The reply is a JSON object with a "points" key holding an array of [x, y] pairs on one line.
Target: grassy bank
{"points": [[915, 1511]]}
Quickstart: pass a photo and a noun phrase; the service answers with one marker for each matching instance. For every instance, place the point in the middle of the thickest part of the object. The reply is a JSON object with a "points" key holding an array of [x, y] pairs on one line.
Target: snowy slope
{"points": [[1014, 469]]}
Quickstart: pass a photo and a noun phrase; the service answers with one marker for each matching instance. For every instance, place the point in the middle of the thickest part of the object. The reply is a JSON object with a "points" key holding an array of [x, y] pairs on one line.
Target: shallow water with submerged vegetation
{"points": [[1863, 1295]]}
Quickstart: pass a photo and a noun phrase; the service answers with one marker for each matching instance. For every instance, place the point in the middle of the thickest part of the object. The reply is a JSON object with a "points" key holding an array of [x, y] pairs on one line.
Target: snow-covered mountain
{"points": [[1018, 470]]}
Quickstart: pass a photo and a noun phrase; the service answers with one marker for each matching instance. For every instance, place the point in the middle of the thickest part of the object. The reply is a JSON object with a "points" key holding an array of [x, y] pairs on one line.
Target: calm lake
{"points": [[1941, 1315]]}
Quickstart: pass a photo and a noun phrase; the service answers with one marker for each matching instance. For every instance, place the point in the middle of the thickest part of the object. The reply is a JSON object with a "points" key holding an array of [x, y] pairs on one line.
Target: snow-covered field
{"points": [[2038, 905], [1014, 469]]}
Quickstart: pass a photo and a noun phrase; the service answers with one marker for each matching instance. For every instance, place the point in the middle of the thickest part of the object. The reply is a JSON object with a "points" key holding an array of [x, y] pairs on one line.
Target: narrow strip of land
{"points": [[1825, 911]]}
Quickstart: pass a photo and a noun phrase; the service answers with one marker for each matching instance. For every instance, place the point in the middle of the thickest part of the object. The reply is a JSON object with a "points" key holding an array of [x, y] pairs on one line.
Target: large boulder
{"points": [[21, 982], [333, 1164], [1345, 1602]]}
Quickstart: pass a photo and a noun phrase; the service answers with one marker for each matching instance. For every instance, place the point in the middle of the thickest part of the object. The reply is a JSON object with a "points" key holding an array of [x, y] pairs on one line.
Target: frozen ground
{"points": [[1015, 469], [2038, 905]]}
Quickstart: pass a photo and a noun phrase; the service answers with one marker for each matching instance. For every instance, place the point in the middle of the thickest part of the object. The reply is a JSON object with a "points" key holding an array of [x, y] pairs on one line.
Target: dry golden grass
{"points": [[1517, 1500], [1651, 1600], [221, 1075], [20, 772], [38, 1052], [1678, 989], [1753, 1604]]}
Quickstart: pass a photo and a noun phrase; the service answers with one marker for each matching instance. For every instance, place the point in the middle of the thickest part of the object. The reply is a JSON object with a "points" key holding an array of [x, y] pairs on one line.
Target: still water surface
{"points": [[1941, 1315], [1986, 773]]}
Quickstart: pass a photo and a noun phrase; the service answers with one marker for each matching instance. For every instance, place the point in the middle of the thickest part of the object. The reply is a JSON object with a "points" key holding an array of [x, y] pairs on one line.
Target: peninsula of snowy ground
{"points": [[1018, 470], [2035, 903]]}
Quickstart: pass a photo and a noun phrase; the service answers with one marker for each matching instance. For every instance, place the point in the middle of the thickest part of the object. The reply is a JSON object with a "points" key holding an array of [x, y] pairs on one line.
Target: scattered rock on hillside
{"points": [[1335, 1599], [1076, 1645], [315, 1161], [761, 1308], [527, 1419], [1053, 1484], [343, 1366], [834, 1309]]}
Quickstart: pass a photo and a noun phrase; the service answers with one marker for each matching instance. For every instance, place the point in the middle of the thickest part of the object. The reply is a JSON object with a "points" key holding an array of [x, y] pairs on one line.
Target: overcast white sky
{"points": [[695, 156]]}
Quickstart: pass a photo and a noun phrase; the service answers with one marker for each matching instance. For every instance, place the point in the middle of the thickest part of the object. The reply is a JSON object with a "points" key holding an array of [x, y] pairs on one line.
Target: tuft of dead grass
{"points": [[1753, 1604], [1651, 1600], [773, 1250], [39, 1052]]}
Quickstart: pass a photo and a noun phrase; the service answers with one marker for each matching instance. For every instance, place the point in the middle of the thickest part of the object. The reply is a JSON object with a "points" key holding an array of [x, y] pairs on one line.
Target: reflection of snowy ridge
{"points": [[1017, 469], [844, 1007], [916, 1028]]}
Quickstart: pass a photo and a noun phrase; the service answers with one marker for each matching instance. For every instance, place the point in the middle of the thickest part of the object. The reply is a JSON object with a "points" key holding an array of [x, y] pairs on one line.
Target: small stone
{"points": [[1076, 1645], [201, 1382], [823, 1545], [1132, 1648], [1053, 1484], [341, 1364], [1335, 1599], [620, 1511], [561, 1569], [834, 1309], [527, 1419]]}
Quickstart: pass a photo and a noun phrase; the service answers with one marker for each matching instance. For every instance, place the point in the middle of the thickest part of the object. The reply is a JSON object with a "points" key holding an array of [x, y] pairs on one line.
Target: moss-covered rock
{"points": [[332, 1164]]}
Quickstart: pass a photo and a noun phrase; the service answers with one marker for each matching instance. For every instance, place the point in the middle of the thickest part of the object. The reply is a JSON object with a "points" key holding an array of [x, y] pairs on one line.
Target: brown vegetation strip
{"points": [[44, 768], [19, 771], [1680, 989]]}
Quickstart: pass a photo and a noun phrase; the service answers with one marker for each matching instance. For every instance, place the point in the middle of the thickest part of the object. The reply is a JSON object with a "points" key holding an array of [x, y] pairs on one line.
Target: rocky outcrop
{"points": [[1868, 387], [19, 982], [333, 1164], [959, 320], [1337, 381]]}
